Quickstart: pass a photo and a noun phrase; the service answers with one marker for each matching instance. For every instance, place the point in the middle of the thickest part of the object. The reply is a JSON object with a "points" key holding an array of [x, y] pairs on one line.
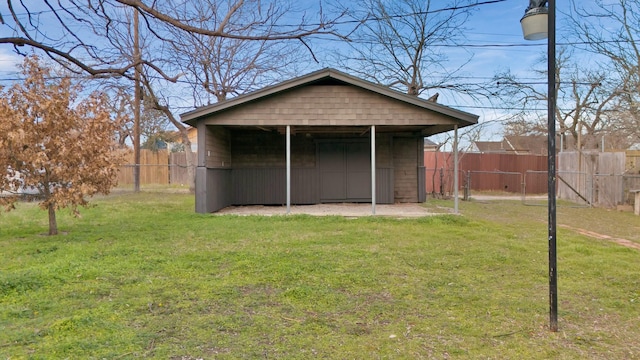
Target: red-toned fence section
{"points": [[485, 172]]}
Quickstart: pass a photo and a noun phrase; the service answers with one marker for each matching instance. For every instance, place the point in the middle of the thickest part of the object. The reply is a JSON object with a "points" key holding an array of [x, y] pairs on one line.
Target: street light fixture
{"points": [[536, 16]]}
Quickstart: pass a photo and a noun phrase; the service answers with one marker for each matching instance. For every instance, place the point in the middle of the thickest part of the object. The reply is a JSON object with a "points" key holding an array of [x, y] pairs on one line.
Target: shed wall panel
{"points": [[219, 185], [213, 189], [384, 186], [267, 186], [305, 188], [264, 186], [202, 190], [358, 166]]}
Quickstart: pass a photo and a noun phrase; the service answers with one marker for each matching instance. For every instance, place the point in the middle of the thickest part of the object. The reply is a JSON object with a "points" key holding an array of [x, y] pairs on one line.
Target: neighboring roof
{"points": [[512, 144], [489, 146], [429, 143], [531, 144], [193, 116]]}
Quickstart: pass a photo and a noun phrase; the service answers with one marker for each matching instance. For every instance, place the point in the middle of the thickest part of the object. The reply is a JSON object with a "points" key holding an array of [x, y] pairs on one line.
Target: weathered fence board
{"points": [[595, 176], [489, 172], [178, 172], [154, 168]]}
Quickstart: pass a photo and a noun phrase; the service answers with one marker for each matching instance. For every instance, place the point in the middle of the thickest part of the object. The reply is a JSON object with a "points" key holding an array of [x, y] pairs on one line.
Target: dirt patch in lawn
{"points": [[595, 235]]}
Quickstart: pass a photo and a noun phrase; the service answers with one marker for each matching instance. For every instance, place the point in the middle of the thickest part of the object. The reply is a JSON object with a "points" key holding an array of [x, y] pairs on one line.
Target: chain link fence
{"points": [[531, 186]]}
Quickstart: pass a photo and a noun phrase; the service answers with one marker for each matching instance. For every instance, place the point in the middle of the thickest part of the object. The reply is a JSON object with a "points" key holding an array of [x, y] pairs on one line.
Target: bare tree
{"points": [[612, 29], [66, 31], [219, 67], [586, 99], [399, 43], [120, 107], [154, 124], [95, 37]]}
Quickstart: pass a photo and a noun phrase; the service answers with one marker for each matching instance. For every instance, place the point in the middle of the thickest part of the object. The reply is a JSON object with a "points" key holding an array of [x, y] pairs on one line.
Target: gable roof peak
{"points": [[316, 77]]}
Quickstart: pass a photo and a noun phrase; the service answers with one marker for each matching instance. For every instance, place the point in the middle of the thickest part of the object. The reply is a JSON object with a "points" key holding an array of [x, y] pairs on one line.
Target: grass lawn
{"points": [[143, 276]]}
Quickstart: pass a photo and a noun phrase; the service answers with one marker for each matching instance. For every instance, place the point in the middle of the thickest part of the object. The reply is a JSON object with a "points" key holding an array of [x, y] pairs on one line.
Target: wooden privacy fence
{"points": [[156, 167], [485, 172], [178, 173], [594, 178], [598, 178]]}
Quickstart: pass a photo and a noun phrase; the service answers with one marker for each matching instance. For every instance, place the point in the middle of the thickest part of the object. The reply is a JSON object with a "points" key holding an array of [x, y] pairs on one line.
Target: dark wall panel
{"points": [[332, 170], [267, 186], [218, 189], [305, 186], [384, 185], [422, 189], [345, 170], [258, 176], [254, 186], [358, 166]]}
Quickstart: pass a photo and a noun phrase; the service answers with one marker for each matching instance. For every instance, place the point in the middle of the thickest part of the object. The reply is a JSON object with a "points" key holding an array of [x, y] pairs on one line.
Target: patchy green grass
{"points": [[143, 276]]}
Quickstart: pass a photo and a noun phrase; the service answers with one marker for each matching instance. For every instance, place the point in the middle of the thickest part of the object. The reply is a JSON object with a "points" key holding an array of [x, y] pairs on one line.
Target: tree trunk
{"points": [[181, 128], [191, 167], [53, 224]]}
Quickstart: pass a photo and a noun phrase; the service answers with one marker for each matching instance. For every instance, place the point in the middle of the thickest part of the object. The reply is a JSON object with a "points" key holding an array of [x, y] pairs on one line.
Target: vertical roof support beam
{"points": [[455, 169], [373, 169], [288, 169]]}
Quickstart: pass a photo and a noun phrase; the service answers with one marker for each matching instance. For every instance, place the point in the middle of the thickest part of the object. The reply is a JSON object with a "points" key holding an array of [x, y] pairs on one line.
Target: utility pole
{"points": [[136, 103]]}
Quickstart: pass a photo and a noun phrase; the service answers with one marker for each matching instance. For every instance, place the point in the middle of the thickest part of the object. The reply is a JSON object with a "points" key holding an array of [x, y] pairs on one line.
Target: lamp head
{"points": [[535, 21]]}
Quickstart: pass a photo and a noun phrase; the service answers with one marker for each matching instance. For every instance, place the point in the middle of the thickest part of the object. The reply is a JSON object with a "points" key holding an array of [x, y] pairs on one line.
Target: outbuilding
{"points": [[321, 138]]}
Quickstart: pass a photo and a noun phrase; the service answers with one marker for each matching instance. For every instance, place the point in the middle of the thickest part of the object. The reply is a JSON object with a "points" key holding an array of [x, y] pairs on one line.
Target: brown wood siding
{"points": [[217, 147], [405, 159], [322, 105]]}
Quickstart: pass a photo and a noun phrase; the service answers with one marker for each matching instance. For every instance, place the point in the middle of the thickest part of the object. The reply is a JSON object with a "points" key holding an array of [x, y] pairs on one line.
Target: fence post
{"points": [[441, 182], [524, 185], [467, 185]]}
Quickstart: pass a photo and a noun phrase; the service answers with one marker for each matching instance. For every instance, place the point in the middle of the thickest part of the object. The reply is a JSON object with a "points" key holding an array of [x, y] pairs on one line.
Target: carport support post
{"points": [[373, 169], [288, 169], [455, 169]]}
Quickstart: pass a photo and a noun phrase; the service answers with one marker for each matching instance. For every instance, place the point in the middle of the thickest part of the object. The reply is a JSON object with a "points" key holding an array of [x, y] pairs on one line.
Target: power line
{"points": [[378, 18], [344, 22], [510, 45]]}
